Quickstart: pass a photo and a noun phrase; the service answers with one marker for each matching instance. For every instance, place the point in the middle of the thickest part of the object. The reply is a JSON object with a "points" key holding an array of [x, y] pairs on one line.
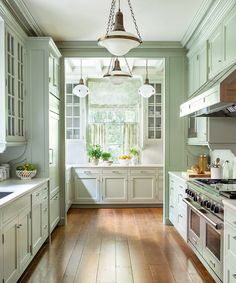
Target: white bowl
{"points": [[124, 161]]}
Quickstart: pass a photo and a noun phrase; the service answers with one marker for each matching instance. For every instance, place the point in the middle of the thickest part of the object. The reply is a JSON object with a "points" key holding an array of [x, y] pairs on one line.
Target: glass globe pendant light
{"points": [[80, 90], [146, 90], [117, 41]]}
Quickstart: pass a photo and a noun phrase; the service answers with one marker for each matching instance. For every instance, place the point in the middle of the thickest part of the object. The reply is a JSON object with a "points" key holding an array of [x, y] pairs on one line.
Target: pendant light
{"points": [[116, 75], [146, 90], [81, 90], [117, 41]]}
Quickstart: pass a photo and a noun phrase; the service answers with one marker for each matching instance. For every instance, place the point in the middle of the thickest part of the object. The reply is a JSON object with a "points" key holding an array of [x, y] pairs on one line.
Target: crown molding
{"points": [[204, 9], [213, 18], [23, 17]]}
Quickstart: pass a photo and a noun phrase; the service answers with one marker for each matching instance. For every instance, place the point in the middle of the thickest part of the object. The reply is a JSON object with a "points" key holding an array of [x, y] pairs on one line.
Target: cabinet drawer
{"points": [[230, 269], [138, 172], [15, 207], [86, 172], [39, 194], [230, 216], [115, 171], [230, 238]]}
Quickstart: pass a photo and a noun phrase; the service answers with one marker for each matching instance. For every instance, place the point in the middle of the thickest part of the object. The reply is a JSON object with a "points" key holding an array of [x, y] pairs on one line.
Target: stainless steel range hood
{"points": [[218, 101]]}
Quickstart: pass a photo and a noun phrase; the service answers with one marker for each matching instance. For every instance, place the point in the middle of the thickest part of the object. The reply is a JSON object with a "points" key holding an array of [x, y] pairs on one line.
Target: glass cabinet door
{"points": [[154, 115], [15, 88]]}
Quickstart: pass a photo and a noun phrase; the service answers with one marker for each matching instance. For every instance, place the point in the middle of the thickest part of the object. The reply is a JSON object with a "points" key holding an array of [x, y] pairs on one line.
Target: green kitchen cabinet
{"points": [[229, 26], [54, 210], [197, 69], [215, 52]]}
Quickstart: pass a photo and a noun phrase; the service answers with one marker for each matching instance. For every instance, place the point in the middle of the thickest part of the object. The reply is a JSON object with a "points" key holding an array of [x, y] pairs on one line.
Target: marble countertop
{"points": [[180, 175], [230, 203], [19, 188], [113, 166]]}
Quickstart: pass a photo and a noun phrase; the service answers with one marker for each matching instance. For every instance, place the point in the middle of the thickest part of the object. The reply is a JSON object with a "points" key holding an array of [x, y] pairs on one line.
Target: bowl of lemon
{"points": [[124, 159], [26, 171]]}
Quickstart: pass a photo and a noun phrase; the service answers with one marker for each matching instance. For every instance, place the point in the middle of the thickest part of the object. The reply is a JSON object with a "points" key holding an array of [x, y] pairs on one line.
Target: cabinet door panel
{"points": [[216, 51], [24, 239], [10, 253], [143, 189], [87, 189], [114, 189], [230, 37], [36, 227], [54, 150], [54, 211]]}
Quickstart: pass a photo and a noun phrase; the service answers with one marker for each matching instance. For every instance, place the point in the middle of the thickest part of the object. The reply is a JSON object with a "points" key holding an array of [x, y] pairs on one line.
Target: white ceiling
{"points": [[158, 20]]}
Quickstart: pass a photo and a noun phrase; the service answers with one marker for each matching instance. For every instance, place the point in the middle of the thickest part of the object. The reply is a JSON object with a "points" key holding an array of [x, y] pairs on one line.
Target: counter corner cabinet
{"points": [[43, 66], [118, 185], [230, 242], [13, 88], [177, 208]]}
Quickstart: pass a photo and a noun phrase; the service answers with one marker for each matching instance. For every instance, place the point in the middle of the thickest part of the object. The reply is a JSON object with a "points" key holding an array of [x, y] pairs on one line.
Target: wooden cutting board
{"points": [[192, 174]]}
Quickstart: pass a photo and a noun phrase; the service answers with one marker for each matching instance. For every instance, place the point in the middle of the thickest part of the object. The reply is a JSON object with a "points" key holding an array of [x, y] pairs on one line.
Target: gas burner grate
{"points": [[215, 181]]}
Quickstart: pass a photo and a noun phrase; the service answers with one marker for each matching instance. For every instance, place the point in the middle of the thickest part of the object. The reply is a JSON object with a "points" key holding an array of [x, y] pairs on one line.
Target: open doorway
{"points": [[115, 116]]}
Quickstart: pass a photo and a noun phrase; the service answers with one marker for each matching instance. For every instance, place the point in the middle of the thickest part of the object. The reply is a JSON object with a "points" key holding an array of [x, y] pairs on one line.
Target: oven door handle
{"points": [[217, 226]]}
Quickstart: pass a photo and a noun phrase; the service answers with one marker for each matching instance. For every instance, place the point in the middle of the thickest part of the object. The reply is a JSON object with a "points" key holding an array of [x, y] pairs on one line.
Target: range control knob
{"points": [[186, 191], [216, 209], [192, 194], [202, 203], [213, 207], [195, 198], [205, 202], [208, 204]]}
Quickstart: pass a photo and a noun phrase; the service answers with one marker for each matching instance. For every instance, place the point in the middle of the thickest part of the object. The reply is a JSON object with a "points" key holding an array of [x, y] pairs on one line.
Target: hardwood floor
{"points": [[128, 245]]}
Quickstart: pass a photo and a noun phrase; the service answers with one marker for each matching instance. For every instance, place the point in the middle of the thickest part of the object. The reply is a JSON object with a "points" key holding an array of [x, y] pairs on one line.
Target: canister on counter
{"points": [[203, 163]]}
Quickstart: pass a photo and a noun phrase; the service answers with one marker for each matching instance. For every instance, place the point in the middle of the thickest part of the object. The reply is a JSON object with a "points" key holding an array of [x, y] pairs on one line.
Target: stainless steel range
{"points": [[206, 220]]}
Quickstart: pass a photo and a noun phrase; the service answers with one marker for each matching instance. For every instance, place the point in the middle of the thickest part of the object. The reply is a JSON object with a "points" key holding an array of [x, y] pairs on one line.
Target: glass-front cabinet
{"points": [[15, 78], [153, 114], [73, 114]]}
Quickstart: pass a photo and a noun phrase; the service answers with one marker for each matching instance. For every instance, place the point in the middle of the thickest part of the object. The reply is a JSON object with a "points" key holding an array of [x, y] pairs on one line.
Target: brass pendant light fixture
{"points": [[116, 75], [117, 41], [146, 90], [81, 89]]}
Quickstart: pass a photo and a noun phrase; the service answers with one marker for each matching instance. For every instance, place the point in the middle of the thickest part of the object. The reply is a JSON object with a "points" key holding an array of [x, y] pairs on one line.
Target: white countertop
{"points": [[114, 165], [180, 175], [231, 203], [19, 188]]}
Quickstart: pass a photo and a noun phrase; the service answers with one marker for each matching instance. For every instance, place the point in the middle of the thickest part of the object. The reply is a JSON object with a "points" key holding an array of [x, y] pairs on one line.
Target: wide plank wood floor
{"points": [[128, 245]]}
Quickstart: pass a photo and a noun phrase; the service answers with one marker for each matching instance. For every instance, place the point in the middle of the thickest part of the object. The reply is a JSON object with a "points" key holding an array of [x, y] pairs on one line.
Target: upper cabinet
{"points": [[229, 26], [54, 74], [198, 69], [12, 125], [215, 52], [214, 55]]}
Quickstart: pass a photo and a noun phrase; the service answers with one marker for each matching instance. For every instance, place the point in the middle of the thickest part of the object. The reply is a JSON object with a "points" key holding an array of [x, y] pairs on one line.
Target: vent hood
{"points": [[218, 101]]}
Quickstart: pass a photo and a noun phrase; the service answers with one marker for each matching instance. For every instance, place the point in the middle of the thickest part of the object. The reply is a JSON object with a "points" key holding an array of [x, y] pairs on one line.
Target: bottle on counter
{"points": [[203, 166], [226, 170]]}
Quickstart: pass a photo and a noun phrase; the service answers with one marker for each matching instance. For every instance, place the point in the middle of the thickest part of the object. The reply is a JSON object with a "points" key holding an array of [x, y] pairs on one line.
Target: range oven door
{"points": [[194, 229], [213, 247]]}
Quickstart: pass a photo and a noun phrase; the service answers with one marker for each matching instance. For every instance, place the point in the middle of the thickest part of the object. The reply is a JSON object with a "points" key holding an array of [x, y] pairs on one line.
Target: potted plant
{"points": [[105, 158], [134, 152], [94, 153]]}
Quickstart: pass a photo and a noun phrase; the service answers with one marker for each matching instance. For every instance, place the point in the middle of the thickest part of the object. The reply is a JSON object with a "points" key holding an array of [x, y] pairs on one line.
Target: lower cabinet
{"points": [[87, 187], [54, 211], [68, 189], [120, 185], [23, 228], [177, 208], [114, 189], [39, 218], [230, 245], [16, 240]]}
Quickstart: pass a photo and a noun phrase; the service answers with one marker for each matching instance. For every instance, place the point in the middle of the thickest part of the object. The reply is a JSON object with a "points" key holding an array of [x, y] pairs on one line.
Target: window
{"points": [[113, 115]]}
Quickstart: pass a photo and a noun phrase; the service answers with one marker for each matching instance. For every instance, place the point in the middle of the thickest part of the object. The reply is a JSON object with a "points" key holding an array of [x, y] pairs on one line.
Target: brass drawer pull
{"points": [[234, 237], [234, 275], [212, 263], [87, 172]]}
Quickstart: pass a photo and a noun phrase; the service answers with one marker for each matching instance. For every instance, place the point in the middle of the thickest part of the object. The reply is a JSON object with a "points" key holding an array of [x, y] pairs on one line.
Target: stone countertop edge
{"points": [[19, 188], [231, 203], [113, 166], [181, 175]]}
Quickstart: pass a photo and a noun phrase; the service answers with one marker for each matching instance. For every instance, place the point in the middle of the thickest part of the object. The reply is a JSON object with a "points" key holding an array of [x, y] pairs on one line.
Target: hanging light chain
{"points": [[81, 71], [128, 66], [111, 17], [134, 20]]}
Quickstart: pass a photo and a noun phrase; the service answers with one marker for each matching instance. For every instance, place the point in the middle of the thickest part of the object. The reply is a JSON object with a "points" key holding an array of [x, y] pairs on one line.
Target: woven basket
{"points": [[26, 175]]}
